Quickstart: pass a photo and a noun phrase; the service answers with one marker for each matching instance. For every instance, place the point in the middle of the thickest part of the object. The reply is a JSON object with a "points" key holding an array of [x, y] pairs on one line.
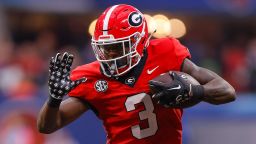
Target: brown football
{"points": [[166, 79]]}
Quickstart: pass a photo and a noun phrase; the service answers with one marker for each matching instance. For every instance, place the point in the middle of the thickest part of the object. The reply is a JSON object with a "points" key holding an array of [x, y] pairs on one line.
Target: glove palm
{"points": [[59, 76]]}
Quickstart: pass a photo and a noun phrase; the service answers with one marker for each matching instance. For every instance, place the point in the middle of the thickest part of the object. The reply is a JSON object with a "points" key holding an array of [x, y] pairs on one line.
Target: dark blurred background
{"points": [[220, 34]]}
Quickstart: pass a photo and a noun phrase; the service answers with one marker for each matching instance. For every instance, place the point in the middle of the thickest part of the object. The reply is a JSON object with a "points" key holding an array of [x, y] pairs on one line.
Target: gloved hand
{"points": [[176, 94], [59, 82]]}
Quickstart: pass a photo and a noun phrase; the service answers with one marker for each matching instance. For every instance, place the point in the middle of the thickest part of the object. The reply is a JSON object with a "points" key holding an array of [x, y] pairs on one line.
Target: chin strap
{"points": [[147, 42]]}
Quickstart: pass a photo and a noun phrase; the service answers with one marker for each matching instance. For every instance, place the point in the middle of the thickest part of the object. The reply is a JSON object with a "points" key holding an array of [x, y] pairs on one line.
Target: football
{"points": [[166, 79]]}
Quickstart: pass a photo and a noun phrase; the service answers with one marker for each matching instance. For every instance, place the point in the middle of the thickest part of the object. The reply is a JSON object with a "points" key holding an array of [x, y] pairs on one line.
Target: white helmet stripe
{"points": [[106, 19]]}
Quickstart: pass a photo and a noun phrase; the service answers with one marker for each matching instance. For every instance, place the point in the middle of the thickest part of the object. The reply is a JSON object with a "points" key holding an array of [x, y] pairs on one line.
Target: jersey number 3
{"points": [[146, 114]]}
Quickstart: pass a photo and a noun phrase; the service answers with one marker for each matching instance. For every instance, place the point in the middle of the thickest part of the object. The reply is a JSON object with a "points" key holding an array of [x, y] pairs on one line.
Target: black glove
{"points": [[177, 93], [59, 78]]}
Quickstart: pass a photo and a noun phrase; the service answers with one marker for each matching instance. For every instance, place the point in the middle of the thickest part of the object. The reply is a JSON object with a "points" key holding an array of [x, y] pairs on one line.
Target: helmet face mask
{"points": [[117, 54], [119, 49]]}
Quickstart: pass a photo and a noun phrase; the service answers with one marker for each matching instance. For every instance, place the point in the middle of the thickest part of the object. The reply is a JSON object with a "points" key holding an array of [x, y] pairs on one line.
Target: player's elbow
{"points": [[44, 130], [231, 94], [219, 101], [227, 95]]}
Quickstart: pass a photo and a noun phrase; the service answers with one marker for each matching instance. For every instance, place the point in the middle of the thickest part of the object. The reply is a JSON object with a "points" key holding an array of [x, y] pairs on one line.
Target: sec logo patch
{"points": [[101, 86]]}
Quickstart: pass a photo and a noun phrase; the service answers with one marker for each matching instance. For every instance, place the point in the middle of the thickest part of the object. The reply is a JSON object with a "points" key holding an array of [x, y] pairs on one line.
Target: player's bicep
{"points": [[71, 109], [202, 75]]}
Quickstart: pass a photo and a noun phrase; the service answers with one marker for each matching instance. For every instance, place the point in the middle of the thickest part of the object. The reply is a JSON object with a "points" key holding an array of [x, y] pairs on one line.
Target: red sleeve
{"points": [[79, 91], [178, 53]]}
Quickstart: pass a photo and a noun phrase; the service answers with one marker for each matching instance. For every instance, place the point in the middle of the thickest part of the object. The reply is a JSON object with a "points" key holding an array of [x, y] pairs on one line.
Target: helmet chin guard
{"points": [[119, 39]]}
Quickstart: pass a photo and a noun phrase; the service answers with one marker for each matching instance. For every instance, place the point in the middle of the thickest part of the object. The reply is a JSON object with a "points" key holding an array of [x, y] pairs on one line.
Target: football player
{"points": [[116, 86]]}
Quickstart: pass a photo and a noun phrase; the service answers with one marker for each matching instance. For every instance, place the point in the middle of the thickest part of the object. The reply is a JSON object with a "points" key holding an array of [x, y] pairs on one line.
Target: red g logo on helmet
{"points": [[135, 19]]}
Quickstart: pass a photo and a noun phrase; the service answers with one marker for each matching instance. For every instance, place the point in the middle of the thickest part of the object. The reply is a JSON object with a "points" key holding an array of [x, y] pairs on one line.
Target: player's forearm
{"points": [[218, 91], [49, 119]]}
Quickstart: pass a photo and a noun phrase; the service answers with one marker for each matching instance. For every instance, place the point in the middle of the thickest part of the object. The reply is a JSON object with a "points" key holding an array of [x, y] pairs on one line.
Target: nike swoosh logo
{"points": [[175, 88], [151, 71]]}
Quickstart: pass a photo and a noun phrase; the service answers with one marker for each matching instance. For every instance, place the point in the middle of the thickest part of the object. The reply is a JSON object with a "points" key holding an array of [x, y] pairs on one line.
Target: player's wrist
{"points": [[54, 101], [197, 91]]}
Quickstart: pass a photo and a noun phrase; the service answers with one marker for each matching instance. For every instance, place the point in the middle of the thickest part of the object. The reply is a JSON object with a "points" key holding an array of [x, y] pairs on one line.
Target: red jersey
{"points": [[124, 104]]}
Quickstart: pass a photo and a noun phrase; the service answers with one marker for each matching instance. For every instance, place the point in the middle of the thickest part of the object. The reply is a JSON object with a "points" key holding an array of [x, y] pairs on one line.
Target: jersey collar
{"points": [[131, 77]]}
